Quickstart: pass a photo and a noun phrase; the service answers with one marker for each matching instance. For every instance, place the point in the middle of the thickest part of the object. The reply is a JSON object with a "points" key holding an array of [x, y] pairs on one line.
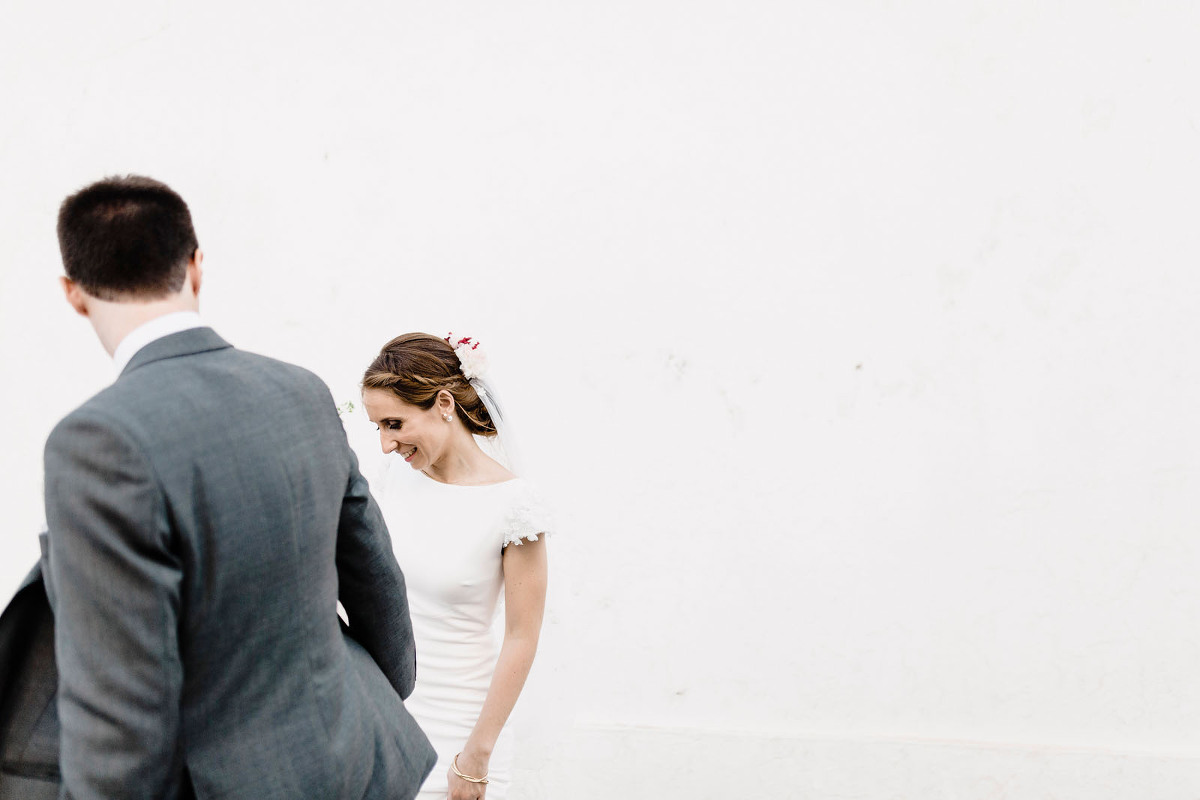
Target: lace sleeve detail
{"points": [[528, 518]]}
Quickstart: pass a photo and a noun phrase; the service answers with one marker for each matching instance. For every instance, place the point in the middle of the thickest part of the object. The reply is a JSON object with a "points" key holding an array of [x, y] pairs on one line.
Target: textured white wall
{"points": [[856, 343]]}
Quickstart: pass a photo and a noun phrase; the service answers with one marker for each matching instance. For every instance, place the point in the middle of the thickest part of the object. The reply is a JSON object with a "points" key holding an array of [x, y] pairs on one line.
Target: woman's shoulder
{"points": [[527, 516]]}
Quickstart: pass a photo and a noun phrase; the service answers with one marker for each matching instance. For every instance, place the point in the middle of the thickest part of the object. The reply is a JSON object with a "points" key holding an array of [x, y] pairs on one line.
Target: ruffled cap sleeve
{"points": [[528, 517]]}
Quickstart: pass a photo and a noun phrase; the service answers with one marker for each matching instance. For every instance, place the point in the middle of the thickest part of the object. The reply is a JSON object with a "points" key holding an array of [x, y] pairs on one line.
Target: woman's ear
{"points": [[445, 403]]}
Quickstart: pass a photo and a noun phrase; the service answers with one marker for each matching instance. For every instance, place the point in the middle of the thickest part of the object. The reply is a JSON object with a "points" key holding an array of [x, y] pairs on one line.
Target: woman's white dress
{"points": [[449, 541]]}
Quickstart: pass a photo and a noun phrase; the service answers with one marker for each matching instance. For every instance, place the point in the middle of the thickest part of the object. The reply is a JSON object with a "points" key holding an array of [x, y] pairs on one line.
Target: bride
{"points": [[465, 529]]}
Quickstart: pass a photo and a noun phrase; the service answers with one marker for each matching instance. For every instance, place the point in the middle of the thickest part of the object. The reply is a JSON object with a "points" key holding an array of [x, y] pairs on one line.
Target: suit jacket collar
{"points": [[184, 343]]}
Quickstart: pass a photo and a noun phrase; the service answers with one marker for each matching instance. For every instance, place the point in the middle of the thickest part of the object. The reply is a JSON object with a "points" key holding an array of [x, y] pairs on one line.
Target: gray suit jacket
{"points": [[206, 515]]}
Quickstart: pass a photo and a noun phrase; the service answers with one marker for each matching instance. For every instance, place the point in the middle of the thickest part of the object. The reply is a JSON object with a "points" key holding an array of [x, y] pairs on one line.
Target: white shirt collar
{"points": [[151, 331]]}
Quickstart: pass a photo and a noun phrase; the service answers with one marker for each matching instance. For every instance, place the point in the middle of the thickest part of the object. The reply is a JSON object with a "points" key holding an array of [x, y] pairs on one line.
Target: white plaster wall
{"points": [[856, 343]]}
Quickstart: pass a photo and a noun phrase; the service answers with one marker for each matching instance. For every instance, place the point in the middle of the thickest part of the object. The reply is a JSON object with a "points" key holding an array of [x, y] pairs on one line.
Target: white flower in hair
{"points": [[471, 356]]}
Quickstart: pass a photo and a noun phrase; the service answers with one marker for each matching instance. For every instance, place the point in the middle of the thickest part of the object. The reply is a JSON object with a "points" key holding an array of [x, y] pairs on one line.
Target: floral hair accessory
{"points": [[471, 358]]}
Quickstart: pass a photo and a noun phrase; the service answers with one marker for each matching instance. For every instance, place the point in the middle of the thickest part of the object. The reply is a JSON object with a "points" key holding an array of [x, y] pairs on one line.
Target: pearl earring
{"points": [[446, 417]]}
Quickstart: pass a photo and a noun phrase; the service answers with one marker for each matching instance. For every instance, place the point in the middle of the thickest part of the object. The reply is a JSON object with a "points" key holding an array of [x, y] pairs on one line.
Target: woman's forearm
{"points": [[524, 605], [512, 668]]}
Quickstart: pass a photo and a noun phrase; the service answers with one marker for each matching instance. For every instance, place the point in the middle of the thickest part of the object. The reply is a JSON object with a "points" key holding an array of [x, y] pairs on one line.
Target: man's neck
{"points": [[114, 321]]}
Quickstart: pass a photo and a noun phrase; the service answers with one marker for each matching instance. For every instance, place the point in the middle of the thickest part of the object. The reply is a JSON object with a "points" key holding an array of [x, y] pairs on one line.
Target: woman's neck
{"points": [[467, 465]]}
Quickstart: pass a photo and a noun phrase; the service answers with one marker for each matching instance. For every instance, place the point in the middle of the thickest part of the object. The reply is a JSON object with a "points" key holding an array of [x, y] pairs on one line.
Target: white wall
{"points": [[855, 341]]}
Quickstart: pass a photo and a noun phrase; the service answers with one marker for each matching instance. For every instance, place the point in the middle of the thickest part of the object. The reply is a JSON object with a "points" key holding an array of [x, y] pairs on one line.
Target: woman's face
{"points": [[418, 435]]}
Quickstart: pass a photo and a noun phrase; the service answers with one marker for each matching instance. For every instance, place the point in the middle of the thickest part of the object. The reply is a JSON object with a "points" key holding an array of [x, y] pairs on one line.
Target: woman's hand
{"points": [[465, 790], [474, 766]]}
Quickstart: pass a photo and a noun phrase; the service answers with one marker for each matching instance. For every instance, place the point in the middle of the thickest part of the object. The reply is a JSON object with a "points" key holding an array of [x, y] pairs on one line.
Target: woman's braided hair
{"points": [[416, 366]]}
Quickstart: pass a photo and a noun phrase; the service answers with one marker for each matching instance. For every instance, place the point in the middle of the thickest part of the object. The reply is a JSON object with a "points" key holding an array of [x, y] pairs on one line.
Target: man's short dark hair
{"points": [[125, 237]]}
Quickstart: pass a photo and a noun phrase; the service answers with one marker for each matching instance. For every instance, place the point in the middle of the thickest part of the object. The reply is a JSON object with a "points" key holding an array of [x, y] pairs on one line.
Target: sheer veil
{"points": [[474, 364], [502, 446]]}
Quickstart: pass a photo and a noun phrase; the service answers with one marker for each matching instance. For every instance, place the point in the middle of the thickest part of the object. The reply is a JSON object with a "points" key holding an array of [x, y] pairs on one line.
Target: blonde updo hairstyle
{"points": [[416, 366]]}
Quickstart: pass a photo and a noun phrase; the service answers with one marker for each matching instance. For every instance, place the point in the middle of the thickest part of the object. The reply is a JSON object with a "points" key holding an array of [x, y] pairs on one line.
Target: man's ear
{"points": [[75, 296], [195, 274]]}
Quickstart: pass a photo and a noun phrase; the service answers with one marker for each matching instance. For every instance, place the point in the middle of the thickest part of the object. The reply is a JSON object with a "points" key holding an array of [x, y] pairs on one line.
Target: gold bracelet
{"points": [[468, 778]]}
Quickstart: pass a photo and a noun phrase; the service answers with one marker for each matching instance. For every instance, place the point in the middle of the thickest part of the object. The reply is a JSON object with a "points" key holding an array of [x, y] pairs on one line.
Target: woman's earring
{"points": [[446, 417]]}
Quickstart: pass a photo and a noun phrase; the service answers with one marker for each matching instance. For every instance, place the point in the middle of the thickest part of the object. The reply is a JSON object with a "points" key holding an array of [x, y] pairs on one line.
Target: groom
{"points": [[205, 517]]}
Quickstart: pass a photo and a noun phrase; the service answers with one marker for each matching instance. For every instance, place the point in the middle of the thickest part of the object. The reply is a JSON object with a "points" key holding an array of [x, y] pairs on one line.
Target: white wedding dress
{"points": [[449, 541]]}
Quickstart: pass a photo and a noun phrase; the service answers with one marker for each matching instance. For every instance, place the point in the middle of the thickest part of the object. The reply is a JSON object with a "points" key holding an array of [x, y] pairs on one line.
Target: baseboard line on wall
{"points": [[1184, 753]]}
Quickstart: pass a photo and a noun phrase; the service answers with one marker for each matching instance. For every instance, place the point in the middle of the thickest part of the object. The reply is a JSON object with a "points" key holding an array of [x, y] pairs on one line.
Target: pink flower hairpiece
{"points": [[471, 358]]}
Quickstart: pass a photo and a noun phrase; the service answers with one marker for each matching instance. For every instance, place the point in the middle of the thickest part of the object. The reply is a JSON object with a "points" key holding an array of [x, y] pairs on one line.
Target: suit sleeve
{"points": [[115, 588], [371, 585]]}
